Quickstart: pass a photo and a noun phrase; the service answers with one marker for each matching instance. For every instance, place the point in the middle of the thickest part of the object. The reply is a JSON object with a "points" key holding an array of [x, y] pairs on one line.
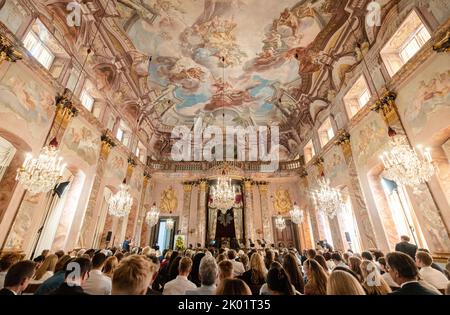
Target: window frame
{"points": [[40, 46]]}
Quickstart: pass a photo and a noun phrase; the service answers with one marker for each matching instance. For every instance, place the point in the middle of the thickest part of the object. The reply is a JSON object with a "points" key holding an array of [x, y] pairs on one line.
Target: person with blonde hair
{"points": [[255, 277], [317, 278], [132, 276], [343, 283], [233, 287], [372, 281], [46, 270], [355, 265], [110, 265]]}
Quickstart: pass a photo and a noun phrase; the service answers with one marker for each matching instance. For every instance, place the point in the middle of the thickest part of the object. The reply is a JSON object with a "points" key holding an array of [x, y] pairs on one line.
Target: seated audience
{"points": [[429, 274], [46, 270], [433, 265], [355, 266], [337, 259], [173, 268], [367, 256], [18, 277], [317, 278], [57, 279], [77, 272], [386, 275], [372, 281], [110, 265], [180, 284], [244, 259], [278, 282], [329, 261], [321, 260], [256, 276], [194, 275], [269, 258], [404, 272], [132, 276], [233, 287], [226, 270], [238, 267], [208, 274], [98, 283], [294, 273], [155, 266], [343, 283], [6, 261]]}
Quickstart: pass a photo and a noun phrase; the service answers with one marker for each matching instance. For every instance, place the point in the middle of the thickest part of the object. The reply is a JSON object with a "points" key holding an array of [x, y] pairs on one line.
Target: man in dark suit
{"points": [[404, 272], [77, 272], [18, 277], [406, 247]]}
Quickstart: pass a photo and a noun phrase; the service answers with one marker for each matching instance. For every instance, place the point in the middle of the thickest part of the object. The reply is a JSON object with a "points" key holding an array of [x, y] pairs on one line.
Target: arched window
{"points": [[402, 213]]}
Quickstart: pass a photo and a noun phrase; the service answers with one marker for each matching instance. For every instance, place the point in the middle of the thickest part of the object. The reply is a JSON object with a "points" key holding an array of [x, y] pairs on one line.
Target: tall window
{"points": [[357, 97], [123, 133], [405, 43], [348, 224], [141, 152], [326, 132], [308, 151], [38, 49], [86, 100], [401, 211], [72, 81]]}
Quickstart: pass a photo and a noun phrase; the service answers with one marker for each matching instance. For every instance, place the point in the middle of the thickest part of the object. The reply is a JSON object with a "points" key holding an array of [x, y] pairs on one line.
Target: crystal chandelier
{"points": [[280, 222], [405, 166], [170, 223], [328, 199], [41, 174], [223, 194], [120, 203], [296, 214], [152, 216]]}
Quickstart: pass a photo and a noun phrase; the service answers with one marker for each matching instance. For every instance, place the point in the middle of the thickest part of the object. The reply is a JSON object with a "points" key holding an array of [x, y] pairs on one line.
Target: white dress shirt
{"points": [[390, 282], [2, 279], [238, 268], [434, 277], [178, 286], [97, 283]]}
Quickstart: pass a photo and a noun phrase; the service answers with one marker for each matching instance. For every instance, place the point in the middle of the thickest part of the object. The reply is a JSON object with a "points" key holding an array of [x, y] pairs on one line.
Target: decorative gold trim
{"points": [[386, 107], [8, 51], [443, 45]]}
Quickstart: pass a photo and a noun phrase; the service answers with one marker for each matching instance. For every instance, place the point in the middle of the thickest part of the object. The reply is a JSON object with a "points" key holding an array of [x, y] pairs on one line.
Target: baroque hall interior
{"points": [[341, 110]]}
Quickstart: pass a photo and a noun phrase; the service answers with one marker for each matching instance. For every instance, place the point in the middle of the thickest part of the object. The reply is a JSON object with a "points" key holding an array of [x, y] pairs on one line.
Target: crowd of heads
{"points": [[252, 271]]}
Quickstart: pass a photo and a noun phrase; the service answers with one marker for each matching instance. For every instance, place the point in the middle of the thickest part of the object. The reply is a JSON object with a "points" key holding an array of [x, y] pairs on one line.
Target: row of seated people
{"points": [[267, 271]]}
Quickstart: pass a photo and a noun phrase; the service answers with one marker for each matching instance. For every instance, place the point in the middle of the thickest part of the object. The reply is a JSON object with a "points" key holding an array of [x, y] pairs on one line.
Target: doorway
{"points": [[162, 236], [287, 236]]}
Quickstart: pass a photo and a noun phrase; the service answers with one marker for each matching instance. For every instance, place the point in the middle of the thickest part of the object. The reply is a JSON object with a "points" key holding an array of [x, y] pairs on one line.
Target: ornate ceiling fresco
{"points": [[166, 62], [269, 49]]}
